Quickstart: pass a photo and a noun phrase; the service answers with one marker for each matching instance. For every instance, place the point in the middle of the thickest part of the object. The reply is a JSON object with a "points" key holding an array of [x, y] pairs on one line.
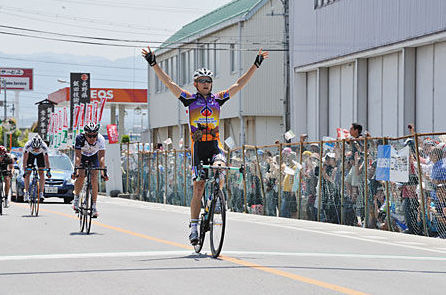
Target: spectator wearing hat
{"points": [[288, 207]]}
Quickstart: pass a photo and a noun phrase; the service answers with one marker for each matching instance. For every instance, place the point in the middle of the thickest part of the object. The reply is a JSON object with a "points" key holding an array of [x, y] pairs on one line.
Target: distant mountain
{"points": [[129, 72]]}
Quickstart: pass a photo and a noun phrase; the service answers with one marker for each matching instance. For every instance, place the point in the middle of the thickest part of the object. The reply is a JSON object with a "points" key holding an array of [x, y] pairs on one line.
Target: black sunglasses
{"points": [[93, 135], [204, 80]]}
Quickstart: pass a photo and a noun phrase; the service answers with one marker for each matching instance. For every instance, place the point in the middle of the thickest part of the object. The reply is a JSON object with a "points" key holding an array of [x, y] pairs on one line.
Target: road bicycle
{"points": [[33, 188], [85, 211], [213, 218], [3, 195]]}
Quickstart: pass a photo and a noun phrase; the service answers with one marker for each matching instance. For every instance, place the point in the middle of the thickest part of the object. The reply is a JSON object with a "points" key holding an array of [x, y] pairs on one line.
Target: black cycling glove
{"points": [[150, 57], [258, 60]]}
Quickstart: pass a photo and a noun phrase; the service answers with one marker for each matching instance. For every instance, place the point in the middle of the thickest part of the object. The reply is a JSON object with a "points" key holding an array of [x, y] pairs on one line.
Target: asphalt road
{"points": [[142, 248]]}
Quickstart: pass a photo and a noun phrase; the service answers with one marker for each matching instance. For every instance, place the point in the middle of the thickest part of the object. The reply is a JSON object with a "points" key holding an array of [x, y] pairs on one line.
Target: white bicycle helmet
{"points": [[203, 72], [36, 142], [91, 127]]}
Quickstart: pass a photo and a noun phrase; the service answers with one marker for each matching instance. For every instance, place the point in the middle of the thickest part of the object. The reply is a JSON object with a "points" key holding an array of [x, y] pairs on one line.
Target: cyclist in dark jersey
{"points": [[6, 167], [204, 119]]}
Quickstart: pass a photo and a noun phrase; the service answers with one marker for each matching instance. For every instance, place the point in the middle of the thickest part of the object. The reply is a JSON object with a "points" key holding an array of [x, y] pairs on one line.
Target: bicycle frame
{"points": [[33, 187], [214, 209], [85, 211]]}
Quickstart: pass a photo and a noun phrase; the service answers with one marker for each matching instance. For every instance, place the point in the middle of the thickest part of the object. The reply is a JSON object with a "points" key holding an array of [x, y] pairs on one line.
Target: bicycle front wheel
{"points": [[217, 223], [89, 210], [202, 231], [33, 198]]}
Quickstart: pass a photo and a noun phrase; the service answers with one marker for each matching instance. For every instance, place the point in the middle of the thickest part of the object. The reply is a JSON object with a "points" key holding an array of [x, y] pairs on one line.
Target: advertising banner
{"points": [[17, 78], [392, 165], [112, 132]]}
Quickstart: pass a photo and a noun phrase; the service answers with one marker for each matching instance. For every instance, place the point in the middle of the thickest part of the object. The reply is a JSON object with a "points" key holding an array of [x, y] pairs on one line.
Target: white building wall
{"points": [[264, 94]]}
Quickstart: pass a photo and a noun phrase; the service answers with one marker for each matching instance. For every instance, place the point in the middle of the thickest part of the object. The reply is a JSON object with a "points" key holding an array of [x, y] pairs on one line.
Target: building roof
{"points": [[236, 8]]}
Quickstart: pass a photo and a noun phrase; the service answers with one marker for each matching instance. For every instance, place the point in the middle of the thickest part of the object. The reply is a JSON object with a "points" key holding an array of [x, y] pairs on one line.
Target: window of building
{"points": [[191, 60], [173, 64], [157, 88], [201, 58], [232, 57], [183, 68], [167, 70]]}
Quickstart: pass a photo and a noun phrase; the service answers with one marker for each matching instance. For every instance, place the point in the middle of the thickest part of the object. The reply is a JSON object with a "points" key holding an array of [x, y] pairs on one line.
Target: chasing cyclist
{"points": [[204, 119], [89, 151], [36, 150], [6, 167]]}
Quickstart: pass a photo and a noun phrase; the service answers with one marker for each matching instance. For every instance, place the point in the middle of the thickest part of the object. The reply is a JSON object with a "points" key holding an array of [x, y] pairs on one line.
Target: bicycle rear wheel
{"points": [[217, 223], [33, 198]]}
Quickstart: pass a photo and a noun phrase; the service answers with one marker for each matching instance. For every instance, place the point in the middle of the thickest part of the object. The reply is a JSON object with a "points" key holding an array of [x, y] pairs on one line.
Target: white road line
{"points": [[233, 253]]}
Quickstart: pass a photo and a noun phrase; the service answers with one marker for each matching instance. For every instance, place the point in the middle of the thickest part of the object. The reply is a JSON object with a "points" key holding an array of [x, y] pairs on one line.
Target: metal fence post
{"points": [[228, 186], [319, 201], [385, 141], [366, 190], [165, 176], [128, 166], [279, 197], [420, 175], [244, 180], [261, 181], [343, 182], [299, 192]]}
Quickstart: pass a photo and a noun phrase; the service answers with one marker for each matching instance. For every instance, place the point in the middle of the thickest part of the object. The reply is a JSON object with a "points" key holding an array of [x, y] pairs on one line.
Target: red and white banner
{"points": [[342, 133], [112, 132], [76, 117], [103, 100], [95, 112], [88, 113], [60, 120], [82, 116], [65, 118]]}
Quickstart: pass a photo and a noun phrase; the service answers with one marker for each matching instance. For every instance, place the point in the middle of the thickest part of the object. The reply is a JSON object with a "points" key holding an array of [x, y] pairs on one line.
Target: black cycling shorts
{"points": [[40, 160], [90, 161], [206, 152]]}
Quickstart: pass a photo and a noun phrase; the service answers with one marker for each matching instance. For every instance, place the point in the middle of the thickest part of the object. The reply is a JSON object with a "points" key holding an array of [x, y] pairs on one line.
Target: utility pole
{"points": [[286, 38], [4, 115]]}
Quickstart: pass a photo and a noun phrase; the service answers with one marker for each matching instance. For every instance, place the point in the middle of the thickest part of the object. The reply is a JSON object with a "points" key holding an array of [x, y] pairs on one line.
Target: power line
{"points": [[74, 64], [139, 7], [128, 40], [196, 45], [77, 25]]}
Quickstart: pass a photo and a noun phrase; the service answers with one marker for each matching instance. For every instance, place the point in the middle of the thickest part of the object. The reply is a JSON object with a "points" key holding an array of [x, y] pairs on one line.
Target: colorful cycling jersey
{"points": [[89, 149], [204, 114], [28, 148]]}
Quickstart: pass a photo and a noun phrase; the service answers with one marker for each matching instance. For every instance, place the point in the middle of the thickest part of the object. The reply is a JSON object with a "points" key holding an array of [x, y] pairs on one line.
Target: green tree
{"points": [[125, 139]]}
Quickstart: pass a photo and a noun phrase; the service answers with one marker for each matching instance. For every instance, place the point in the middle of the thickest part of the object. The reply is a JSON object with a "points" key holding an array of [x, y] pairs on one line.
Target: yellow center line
{"points": [[225, 258]]}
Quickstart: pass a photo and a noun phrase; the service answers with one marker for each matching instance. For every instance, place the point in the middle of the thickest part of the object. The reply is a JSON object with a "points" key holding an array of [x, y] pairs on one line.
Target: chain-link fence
{"points": [[337, 181]]}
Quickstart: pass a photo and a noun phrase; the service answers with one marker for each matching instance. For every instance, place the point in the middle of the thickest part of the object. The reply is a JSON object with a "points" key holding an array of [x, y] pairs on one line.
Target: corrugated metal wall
{"points": [[339, 29], [431, 87]]}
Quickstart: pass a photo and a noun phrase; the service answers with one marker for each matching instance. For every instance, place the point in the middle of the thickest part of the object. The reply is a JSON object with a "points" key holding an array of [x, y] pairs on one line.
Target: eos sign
{"points": [[101, 93]]}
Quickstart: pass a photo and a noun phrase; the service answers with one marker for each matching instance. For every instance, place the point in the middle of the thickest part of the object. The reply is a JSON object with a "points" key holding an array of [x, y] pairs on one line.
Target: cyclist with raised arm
{"points": [[89, 151], [6, 167], [204, 118], [36, 150]]}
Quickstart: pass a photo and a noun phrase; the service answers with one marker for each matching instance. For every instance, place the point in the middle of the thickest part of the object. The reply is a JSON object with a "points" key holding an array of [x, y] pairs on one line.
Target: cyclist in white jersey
{"points": [[89, 151], [35, 150]]}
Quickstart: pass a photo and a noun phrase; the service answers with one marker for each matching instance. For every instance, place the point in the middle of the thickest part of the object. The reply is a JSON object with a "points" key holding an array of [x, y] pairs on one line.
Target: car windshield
{"points": [[60, 162]]}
